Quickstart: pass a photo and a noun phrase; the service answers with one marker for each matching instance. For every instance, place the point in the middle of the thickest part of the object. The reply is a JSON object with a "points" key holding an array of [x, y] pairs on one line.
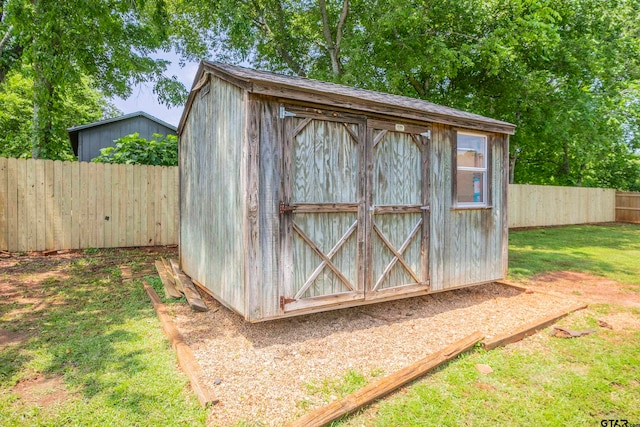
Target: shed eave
{"points": [[318, 97], [299, 88]]}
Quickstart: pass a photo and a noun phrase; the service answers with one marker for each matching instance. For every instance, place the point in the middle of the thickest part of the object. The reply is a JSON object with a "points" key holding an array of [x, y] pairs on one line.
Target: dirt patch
{"points": [[586, 287], [622, 321], [41, 390], [263, 371], [9, 337]]}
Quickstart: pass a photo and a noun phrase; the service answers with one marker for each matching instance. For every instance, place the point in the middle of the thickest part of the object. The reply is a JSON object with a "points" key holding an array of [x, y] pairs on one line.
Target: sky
{"points": [[143, 99]]}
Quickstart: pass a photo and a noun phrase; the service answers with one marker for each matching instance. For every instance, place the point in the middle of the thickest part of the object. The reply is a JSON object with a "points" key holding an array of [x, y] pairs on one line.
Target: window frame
{"points": [[486, 171]]}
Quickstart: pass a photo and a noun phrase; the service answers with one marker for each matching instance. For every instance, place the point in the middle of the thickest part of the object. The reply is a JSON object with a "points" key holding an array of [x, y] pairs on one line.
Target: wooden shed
{"points": [[299, 196], [87, 140]]}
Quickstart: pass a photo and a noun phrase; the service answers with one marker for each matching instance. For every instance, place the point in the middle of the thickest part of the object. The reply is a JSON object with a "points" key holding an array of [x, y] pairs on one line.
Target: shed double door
{"points": [[353, 215]]}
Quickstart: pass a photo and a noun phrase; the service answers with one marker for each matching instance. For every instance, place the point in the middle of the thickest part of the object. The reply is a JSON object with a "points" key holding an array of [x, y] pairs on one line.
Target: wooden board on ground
{"points": [[380, 388], [186, 359], [189, 289], [167, 281], [125, 270], [528, 329], [169, 269]]}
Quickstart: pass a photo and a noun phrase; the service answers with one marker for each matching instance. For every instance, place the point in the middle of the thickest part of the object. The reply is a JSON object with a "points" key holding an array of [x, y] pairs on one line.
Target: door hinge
{"points": [[284, 113], [284, 208], [427, 134], [284, 301]]}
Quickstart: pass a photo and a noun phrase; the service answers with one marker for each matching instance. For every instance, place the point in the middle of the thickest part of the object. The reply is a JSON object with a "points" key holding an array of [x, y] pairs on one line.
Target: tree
{"points": [[109, 41], [78, 106], [132, 149], [564, 71]]}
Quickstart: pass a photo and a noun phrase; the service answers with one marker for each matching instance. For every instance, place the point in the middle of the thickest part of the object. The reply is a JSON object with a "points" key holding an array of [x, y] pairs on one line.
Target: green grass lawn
{"points": [[96, 338], [542, 381], [611, 251], [74, 320]]}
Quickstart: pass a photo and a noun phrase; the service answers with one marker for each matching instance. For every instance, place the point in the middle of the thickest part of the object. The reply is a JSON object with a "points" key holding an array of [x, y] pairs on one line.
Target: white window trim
{"points": [[484, 171]]}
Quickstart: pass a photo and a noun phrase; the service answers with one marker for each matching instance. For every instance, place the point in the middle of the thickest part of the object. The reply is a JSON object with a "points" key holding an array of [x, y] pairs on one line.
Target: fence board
{"points": [[12, 204], [539, 205], [41, 206], [151, 225], [64, 205], [4, 199], [628, 207], [56, 213], [48, 205]]}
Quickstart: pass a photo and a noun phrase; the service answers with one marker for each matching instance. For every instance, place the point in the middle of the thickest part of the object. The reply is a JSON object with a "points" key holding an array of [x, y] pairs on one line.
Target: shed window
{"points": [[471, 173]]}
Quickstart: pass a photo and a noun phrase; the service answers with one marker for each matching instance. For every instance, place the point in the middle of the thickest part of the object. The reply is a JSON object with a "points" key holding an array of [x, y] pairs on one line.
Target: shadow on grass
{"points": [[87, 326]]}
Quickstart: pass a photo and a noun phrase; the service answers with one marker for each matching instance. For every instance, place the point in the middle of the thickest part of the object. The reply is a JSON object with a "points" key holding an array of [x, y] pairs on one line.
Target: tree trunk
{"points": [[43, 93]]}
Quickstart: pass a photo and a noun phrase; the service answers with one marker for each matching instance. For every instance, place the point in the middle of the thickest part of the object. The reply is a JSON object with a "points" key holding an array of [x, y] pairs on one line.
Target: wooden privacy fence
{"points": [[543, 205], [628, 207], [47, 204]]}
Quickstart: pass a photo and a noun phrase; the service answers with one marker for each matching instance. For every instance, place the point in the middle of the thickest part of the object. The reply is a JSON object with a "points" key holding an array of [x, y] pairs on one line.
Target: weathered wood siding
{"points": [[46, 205], [628, 207], [212, 201], [264, 292], [467, 245], [546, 205]]}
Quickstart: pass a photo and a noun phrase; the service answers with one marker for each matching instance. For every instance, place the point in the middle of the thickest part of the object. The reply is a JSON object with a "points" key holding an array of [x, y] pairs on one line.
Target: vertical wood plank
{"points": [[66, 221], [437, 196], [91, 195], [99, 207], [118, 200], [165, 221], [50, 211], [76, 220], [129, 195], [251, 227], [174, 206], [150, 195], [13, 185], [82, 220], [270, 187], [107, 210], [30, 209], [137, 205], [504, 206], [40, 204], [4, 208], [142, 232], [23, 218], [157, 229]]}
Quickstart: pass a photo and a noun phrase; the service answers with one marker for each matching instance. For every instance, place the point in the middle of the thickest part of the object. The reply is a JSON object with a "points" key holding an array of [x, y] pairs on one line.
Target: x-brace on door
{"points": [[355, 216], [322, 211]]}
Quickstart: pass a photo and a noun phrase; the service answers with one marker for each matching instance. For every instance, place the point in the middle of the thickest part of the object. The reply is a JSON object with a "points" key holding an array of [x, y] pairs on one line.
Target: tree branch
{"points": [[343, 19], [332, 49], [5, 38]]}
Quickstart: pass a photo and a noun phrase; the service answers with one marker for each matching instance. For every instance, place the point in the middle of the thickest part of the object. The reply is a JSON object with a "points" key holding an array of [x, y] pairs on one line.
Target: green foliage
{"points": [[110, 41], [565, 71], [132, 149], [72, 107]]}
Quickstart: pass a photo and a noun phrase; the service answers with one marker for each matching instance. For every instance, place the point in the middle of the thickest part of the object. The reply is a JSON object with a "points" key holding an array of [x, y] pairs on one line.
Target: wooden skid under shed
{"points": [[186, 285], [167, 280]]}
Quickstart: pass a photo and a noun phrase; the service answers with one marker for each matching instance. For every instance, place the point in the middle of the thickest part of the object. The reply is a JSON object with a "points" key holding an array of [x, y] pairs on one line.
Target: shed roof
{"points": [[309, 90], [73, 131]]}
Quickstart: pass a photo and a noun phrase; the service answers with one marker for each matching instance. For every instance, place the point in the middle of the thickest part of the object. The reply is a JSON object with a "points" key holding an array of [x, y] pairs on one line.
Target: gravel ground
{"points": [[260, 372]]}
